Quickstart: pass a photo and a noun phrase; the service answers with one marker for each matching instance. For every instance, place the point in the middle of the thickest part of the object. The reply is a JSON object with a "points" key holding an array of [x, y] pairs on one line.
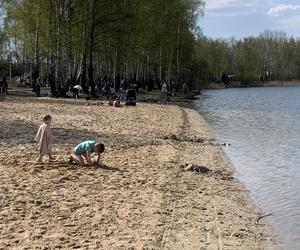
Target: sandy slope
{"points": [[139, 199]]}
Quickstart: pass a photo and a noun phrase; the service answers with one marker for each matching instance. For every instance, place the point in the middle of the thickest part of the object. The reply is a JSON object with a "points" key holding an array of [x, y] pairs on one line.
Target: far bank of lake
{"points": [[238, 84]]}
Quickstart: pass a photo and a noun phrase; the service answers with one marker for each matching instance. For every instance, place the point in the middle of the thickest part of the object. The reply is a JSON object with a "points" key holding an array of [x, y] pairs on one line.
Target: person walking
{"points": [[4, 80]]}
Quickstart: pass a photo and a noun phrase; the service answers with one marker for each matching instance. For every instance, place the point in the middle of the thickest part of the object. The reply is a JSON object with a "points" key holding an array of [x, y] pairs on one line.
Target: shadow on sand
{"points": [[23, 132], [113, 169], [73, 166]]}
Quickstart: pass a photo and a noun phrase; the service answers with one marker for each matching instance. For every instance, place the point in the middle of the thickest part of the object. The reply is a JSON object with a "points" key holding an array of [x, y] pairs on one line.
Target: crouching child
{"points": [[83, 152]]}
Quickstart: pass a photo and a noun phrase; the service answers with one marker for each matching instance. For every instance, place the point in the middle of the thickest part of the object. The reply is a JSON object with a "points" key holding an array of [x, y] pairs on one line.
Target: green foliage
{"points": [[142, 40], [271, 56], [139, 39]]}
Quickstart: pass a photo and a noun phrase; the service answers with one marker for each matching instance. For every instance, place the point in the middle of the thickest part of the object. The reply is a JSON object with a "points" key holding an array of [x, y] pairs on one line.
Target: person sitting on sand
{"points": [[117, 103], [45, 138], [84, 150]]}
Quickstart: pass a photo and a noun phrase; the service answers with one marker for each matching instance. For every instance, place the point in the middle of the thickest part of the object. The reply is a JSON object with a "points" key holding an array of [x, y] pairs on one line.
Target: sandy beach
{"points": [[140, 198]]}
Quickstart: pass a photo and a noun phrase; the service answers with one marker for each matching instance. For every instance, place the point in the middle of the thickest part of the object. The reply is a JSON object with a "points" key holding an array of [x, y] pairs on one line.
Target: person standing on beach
{"points": [[5, 83], [164, 89], [84, 150], [185, 88], [76, 91], [2, 91], [45, 138], [38, 87]]}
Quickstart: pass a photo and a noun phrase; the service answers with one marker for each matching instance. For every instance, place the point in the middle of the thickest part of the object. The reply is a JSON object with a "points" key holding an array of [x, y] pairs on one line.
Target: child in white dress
{"points": [[45, 138]]}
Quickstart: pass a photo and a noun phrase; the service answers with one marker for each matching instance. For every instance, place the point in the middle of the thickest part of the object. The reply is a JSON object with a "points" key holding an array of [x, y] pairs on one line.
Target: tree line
{"points": [[272, 56], [68, 42]]}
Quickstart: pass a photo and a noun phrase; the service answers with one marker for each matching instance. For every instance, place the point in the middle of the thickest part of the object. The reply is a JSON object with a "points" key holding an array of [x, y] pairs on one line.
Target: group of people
{"points": [[104, 87], [166, 89], [81, 153], [29, 82], [128, 97]]}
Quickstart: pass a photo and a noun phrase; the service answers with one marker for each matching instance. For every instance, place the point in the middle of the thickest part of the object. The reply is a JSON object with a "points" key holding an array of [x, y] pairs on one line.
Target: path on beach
{"points": [[139, 199]]}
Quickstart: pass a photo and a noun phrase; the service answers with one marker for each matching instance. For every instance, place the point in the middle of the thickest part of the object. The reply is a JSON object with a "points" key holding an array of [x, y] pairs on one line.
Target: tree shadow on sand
{"points": [[21, 132]]}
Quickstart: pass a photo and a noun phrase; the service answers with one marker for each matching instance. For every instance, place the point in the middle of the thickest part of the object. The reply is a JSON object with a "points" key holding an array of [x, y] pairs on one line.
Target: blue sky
{"points": [[242, 18]]}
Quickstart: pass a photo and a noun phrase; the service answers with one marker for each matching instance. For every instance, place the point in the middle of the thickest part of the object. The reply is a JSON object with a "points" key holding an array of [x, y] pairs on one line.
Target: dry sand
{"points": [[139, 199]]}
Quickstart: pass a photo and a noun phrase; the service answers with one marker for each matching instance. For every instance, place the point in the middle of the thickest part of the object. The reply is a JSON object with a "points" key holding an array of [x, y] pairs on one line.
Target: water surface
{"points": [[263, 126]]}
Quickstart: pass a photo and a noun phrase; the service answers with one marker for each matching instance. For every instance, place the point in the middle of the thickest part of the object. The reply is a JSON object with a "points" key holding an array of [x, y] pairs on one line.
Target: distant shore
{"points": [[139, 198], [254, 84]]}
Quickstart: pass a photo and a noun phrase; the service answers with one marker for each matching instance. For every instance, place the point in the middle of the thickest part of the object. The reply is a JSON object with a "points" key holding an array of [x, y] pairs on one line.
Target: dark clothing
{"points": [[130, 97], [38, 89], [2, 91], [76, 93], [6, 87], [130, 94], [2, 87], [5, 83]]}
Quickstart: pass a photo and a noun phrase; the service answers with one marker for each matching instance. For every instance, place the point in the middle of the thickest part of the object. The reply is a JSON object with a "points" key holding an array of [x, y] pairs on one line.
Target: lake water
{"points": [[263, 126]]}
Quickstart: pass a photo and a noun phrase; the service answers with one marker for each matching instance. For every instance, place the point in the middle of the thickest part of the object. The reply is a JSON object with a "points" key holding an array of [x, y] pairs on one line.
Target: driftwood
{"points": [[260, 217]]}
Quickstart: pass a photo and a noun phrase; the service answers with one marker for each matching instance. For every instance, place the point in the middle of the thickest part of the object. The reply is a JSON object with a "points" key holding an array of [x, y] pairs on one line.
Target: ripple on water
{"points": [[262, 125]]}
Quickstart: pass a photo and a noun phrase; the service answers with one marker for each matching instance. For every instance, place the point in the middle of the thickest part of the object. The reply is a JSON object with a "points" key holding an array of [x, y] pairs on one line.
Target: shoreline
{"points": [[228, 165], [267, 84], [267, 227], [139, 198]]}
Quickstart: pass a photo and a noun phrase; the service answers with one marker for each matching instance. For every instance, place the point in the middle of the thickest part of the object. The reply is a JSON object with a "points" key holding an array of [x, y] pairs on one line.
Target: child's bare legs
{"points": [[40, 158], [78, 159], [51, 158], [85, 156]]}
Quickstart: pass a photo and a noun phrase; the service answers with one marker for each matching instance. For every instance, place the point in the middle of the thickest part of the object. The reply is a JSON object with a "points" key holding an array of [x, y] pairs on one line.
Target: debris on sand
{"points": [[171, 137], [192, 139], [195, 168]]}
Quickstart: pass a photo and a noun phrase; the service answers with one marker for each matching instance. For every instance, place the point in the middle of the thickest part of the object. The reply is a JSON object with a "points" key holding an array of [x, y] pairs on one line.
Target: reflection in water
{"points": [[263, 126]]}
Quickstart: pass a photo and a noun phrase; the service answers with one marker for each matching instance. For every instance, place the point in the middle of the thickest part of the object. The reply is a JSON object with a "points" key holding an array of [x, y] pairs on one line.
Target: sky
{"points": [[242, 18]]}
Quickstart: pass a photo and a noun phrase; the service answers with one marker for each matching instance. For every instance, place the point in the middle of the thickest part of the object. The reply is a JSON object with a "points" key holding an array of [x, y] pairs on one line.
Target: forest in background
{"points": [[272, 56], [69, 42]]}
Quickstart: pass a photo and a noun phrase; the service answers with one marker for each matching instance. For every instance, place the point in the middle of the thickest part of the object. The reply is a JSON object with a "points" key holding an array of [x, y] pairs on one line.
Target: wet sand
{"points": [[138, 199]]}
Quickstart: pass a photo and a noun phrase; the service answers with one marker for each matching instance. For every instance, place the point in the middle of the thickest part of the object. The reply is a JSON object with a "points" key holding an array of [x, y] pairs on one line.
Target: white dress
{"points": [[44, 137]]}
